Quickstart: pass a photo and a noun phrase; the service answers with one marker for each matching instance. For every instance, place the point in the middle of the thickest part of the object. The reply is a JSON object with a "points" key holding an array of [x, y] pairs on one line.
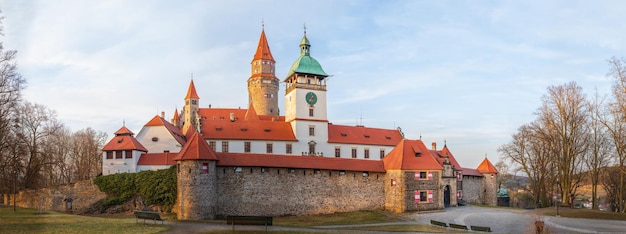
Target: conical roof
{"points": [[486, 167], [196, 149], [191, 91], [263, 49]]}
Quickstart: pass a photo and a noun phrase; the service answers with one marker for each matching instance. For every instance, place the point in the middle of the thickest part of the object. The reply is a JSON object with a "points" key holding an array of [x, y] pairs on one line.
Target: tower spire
{"points": [[263, 83]]}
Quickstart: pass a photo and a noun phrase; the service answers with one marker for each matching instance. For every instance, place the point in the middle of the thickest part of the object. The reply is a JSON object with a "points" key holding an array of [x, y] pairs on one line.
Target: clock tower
{"points": [[305, 100]]}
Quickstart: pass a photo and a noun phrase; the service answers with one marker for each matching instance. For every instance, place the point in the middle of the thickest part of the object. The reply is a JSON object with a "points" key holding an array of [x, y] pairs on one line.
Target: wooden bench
{"points": [[458, 226], [249, 220], [480, 228], [141, 214], [442, 224]]}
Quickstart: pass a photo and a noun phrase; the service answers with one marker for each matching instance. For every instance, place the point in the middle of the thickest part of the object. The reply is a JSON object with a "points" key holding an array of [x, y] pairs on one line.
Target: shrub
{"points": [[155, 187]]}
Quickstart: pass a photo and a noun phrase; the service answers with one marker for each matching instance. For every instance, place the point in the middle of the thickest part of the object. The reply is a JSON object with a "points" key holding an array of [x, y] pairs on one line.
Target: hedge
{"points": [[155, 187]]}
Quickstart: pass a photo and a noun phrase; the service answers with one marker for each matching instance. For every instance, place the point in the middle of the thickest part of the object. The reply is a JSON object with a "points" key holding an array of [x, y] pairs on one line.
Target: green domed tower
{"points": [[305, 87], [305, 100]]}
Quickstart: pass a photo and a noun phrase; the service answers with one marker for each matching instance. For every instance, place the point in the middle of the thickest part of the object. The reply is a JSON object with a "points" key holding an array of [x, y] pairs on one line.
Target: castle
{"points": [[254, 161]]}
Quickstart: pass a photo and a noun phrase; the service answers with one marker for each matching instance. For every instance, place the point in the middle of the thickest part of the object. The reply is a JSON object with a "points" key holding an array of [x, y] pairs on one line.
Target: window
{"points": [[109, 154], [337, 152], [237, 169], [311, 130], [205, 168], [317, 171], [129, 154], [212, 145], [311, 149], [366, 153], [423, 175], [269, 148], [155, 139], [118, 154], [423, 196], [382, 153], [264, 170], [366, 174], [342, 172], [459, 176], [246, 147], [225, 146], [291, 170], [459, 194], [353, 152], [288, 148], [194, 102], [311, 112]]}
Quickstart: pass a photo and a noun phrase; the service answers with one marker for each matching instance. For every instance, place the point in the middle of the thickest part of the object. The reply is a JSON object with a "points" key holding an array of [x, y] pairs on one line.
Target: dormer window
{"points": [[155, 139], [418, 154], [267, 130], [344, 134]]}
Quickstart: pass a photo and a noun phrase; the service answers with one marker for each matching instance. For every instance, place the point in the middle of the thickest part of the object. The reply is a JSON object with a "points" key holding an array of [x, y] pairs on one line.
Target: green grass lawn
{"points": [[359, 217], [30, 221], [583, 213]]}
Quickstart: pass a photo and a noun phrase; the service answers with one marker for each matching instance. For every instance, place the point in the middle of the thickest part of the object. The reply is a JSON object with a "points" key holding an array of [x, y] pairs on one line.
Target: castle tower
{"points": [[190, 111], [176, 119], [305, 99], [196, 180], [490, 184], [263, 83]]}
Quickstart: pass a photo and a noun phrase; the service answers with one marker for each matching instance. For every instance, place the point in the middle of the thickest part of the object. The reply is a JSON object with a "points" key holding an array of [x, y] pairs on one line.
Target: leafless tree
{"points": [[11, 85], [616, 126], [564, 116], [36, 124], [597, 157]]}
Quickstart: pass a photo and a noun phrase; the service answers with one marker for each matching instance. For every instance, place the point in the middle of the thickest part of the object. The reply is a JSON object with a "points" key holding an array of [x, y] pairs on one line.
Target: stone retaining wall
{"points": [[83, 194]]}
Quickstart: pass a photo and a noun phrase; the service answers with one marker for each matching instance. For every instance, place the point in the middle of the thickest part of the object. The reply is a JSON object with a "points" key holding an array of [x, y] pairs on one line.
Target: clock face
{"points": [[311, 98]]}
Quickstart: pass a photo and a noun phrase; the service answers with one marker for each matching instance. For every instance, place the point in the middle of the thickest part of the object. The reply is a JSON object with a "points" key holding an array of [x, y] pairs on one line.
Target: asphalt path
{"points": [[499, 219], [503, 220]]}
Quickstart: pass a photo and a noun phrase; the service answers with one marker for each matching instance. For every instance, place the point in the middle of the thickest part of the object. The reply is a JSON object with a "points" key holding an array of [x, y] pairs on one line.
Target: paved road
{"points": [[517, 221], [500, 221]]}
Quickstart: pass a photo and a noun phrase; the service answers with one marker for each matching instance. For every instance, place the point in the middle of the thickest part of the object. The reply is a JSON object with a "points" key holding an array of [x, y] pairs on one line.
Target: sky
{"points": [[467, 73]]}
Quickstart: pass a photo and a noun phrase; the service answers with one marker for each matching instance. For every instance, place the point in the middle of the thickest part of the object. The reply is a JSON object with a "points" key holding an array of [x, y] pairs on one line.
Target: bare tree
{"points": [[564, 116], [86, 155], [600, 146], [616, 126], [11, 85], [36, 124]]}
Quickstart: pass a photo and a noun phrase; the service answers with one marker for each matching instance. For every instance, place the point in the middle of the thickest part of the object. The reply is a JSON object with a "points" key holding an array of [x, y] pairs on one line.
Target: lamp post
{"points": [[557, 197], [15, 188]]}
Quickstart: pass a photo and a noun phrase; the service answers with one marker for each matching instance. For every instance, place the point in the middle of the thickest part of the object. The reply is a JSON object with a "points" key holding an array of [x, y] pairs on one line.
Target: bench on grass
{"points": [[249, 220], [151, 215], [442, 224], [458, 226], [480, 228]]}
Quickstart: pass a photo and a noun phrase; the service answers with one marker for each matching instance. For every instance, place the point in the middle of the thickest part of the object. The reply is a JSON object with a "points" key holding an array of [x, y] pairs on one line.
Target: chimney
{"points": [[232, 117], [434, 145], [163, 114]]}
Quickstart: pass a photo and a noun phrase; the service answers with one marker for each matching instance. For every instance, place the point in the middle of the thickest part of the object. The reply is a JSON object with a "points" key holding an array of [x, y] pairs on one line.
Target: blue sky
{"points": [[467, 72]]}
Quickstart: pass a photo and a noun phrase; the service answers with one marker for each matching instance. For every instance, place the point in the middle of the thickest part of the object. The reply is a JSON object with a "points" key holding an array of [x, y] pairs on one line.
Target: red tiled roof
{"points": [[471, 172], [176, 117], [411, 155], [362, 135], [191, 92], [263, 49], [174, 131], [441, 157], [486, 167], [196, 149], [251, 113], [124, 131], [124, 142], [165, 158], [216, 124], [308, 162]]}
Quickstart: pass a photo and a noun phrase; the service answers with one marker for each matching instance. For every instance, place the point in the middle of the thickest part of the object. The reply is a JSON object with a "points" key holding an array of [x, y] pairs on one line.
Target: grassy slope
{"points": [[29, 221]]}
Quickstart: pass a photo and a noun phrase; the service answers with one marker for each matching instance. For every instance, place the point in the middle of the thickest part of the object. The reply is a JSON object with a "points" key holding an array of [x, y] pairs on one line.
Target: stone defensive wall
{"points": [[75, 197], [283, 191]]}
